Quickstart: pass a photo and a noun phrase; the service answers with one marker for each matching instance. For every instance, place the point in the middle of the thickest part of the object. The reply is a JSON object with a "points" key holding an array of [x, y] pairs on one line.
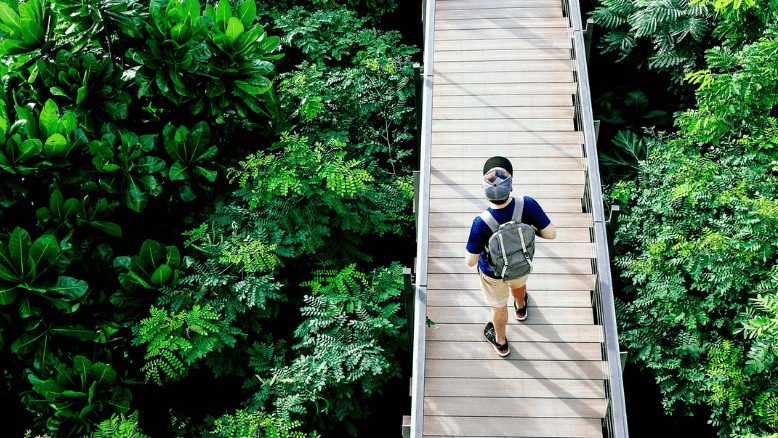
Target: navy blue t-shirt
{"points": [[480, 232]]}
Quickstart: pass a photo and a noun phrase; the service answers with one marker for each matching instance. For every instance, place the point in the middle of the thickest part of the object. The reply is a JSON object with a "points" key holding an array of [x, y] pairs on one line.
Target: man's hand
{"points": [[471, 259]]}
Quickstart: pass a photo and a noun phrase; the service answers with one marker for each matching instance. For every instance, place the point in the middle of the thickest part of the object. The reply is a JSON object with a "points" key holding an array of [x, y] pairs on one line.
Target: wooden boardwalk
{"points": [[503, 85]]}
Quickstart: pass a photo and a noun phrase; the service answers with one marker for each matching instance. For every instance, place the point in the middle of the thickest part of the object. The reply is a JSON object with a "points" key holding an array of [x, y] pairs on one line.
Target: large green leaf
{"points": [[76, 331], [19, 250], [247, 12], [55, 145], [152, 252], [234, 29], [8, 293], [178, 171], [10, 18], [32, 34], [172, 257], [49, 119], [109, 228], [69, 288], [28, 149], [26, 309], [27, 342], [223, 14], [161, 276], [44, 253], [198, 140], [103, 374], [83, 369]]}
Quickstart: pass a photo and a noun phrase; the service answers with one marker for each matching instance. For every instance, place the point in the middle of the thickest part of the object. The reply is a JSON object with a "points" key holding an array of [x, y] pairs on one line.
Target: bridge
{"points": [[509, 77]]}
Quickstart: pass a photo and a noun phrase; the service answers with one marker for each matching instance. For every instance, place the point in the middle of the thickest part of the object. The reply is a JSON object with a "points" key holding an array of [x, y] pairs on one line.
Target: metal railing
{"points": [[422, 226], [615, 422]]}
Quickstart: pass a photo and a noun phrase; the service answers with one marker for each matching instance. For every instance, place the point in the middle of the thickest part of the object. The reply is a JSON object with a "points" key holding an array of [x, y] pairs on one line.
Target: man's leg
{"points": [[500, 317], [518, 295]]}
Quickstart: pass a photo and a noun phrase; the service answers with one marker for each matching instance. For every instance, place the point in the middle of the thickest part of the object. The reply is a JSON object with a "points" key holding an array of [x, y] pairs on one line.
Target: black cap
{"points": [[493, 162]]}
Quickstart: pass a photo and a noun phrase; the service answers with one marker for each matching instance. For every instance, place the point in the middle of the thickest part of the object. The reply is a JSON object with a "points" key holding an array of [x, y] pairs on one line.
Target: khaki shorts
{"points": [[496, 291]]}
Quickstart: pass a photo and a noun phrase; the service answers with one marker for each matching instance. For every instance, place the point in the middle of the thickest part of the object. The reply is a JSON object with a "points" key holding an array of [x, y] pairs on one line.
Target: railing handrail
{"points": [[422, 229], [617, 411]]}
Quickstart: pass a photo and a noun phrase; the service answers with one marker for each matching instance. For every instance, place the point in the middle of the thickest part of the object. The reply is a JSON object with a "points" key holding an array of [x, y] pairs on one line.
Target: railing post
{"points": [[613, 224], [409, 305], [416, 183], [588, 34], [418, 82]]}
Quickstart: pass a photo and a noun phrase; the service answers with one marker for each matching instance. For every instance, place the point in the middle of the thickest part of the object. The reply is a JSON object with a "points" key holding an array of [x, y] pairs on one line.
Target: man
{"points": [[497, 184]]}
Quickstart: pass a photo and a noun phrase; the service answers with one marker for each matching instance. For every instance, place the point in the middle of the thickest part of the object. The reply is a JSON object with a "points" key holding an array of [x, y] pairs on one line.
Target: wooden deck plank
{"points": [[559, 219], [538, 33], [535, 281], [524, 388], [544, 248], [501, 55], [472, 350], [536, 191], [471, 4], [460, 235], [537, 78], [513, 125], [501, 23], [550, 65], [485, 113], [486, 87], [471, 191], [540, 298], [513, 407], [471, 427], [504, 12], [516, 369], [507, 100], [465, 220], [501, 79], [492, 138], [540, 265], [527, 333], [537, 315], [472, 168], [466, 169], [511, 151], [503, 44], [480, 203]]}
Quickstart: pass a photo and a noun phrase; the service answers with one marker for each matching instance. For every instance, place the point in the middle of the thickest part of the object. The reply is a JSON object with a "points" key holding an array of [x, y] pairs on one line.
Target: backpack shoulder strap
{"points": [[490, 221], [518, 209]]}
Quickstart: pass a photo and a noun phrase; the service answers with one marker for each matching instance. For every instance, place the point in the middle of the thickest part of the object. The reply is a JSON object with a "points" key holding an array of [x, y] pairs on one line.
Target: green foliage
{"points": [[176, 340], [124, 166], [698, 248], [26, 26], [347, 342], [29, 273], [677, 32], [190, 151], [89, 87], [258, 424], [222, 54], [78, 397], [119, 426], [153, 268]]}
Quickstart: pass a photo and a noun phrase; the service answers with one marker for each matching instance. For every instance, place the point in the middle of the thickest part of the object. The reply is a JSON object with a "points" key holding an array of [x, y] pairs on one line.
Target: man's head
{"points": [[498, 181]]}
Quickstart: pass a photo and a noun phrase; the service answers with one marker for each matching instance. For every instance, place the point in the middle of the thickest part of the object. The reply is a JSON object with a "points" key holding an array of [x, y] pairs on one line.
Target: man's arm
{"points": [[547, 233], [472, 259]]}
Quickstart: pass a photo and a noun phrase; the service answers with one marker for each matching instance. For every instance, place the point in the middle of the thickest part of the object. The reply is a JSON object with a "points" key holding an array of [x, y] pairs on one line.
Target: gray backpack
{"points": [[512, 245]]}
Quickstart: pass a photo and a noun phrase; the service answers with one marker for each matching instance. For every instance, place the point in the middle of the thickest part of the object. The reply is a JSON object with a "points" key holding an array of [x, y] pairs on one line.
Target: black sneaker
{"points": [[491, 336], [521, 314]]}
